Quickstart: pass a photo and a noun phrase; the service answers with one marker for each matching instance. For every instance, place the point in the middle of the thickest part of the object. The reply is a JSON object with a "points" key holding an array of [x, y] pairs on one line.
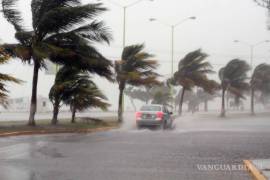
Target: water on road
{"points": [[200, 147]]}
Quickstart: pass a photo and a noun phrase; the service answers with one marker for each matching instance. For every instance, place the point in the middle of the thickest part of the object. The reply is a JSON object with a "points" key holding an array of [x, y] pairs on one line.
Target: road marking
{"points": [[254, 171]]}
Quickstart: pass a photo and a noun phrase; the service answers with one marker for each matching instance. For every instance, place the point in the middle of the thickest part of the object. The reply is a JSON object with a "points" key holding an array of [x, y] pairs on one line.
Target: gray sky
{"points": [[218, 24]]}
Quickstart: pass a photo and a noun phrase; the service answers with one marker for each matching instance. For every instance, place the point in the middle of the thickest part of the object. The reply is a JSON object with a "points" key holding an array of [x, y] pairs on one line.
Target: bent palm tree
{"points": [[58, 35], [192, 71], [233, 78], [135, 69], [260, 81], [74, 87], [5, 78], [63, 84]]}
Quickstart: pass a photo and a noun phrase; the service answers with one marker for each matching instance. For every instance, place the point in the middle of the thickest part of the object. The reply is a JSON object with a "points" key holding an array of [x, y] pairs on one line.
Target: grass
{"points": [[44, 126]]}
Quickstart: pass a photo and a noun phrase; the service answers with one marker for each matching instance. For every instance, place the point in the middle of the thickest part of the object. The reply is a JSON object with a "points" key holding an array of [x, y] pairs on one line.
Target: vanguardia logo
{"points": [[221, 167]]}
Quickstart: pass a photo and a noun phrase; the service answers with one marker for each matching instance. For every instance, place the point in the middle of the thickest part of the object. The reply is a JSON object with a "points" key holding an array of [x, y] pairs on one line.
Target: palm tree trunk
{"points": [[181, 102], [252, 101], [55, 112], [223, 111], [206, 106], [120, 102], [33, 106], [73, 119]]}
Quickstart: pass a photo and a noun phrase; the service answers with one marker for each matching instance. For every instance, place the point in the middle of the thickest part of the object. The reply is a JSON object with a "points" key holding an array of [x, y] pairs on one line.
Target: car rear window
{"points": [[151, 108]]}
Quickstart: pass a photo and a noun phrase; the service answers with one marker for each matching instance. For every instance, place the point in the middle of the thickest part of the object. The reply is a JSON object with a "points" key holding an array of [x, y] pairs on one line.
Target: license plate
{"points": [[149, 116]]}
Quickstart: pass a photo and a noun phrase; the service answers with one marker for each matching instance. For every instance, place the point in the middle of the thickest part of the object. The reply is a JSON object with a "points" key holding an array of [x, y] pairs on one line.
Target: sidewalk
{"points": [[259, 168]]}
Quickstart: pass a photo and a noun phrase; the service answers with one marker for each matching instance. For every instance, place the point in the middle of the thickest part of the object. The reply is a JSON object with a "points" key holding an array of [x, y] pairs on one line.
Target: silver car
{"points": [[154, 115]]}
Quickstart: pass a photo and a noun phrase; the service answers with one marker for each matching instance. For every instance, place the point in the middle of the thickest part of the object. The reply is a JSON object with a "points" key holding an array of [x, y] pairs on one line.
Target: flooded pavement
{"points": [[133, 154]]}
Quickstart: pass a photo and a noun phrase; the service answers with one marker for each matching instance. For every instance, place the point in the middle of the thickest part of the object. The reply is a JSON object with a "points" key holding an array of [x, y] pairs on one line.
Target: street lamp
{"points": [[252, 47], [173, 26], [125, 7]]}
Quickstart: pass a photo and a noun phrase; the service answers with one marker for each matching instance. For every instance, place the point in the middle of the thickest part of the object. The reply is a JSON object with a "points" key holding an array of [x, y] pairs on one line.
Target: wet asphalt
{"points": [[200, 147]]}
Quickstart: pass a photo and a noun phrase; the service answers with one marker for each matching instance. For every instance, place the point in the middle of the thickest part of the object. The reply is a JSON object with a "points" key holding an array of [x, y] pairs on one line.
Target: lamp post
{"points": [[125, 7], [172, 27], [252, 47]]}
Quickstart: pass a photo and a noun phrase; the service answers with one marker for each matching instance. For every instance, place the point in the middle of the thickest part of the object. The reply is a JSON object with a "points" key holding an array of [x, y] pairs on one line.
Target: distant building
{"points": [[22, 104]]}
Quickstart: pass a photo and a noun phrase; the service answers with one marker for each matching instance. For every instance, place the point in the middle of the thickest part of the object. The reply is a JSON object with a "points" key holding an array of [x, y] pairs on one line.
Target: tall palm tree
{"points": [[233, 78], [260, 81], [5, 78], [136, 69], [75, 88], [192, 71], [60, 34]]}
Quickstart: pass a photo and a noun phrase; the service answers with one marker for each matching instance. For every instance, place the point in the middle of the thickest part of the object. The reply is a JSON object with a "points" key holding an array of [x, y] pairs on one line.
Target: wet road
{"points": [[201, 147], [23, 116]]}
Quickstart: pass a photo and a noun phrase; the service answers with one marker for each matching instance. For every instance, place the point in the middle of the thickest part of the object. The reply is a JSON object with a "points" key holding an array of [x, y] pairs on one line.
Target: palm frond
{"points": [[12, 14], [61, 19]]}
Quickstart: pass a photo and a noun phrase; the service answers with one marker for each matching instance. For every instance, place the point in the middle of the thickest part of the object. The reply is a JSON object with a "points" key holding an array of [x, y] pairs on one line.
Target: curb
{"points": [[44, 132], [256, 173]]}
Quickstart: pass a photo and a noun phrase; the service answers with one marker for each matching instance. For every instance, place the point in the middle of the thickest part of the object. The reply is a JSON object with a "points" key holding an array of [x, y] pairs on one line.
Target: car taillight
{"points": [[138, 115], [160, 115]]}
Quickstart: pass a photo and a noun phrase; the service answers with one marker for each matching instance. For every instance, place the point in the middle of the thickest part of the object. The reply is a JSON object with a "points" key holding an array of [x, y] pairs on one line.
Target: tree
{"points": [[5, 78], [75, 88], [136, 69], [63, 85], [58, 34], [192, 71], [233, 78], [265, 4], [204, 96], [260, 81], [144, 94], [162, 95]]}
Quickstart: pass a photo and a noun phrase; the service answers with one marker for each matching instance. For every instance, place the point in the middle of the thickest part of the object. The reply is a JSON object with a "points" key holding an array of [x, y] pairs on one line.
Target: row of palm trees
{"points": [[65, 32], [193, 71]]}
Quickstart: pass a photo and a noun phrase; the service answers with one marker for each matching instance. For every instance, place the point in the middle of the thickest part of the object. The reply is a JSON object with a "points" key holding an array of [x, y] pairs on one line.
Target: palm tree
{"points": [[162, 97], [144, 94], [63, 85], [136, 69], [205, 96], [58, 35], [260, 81], [233, 78], [75, 88], [192, 71], [5, 78]]}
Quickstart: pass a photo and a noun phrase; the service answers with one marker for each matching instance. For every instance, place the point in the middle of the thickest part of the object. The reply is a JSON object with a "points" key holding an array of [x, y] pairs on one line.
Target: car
{"points": [[154, 115]]}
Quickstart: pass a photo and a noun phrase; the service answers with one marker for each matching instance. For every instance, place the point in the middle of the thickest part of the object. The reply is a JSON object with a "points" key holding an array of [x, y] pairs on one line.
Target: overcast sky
{"points": [[218, 24]]}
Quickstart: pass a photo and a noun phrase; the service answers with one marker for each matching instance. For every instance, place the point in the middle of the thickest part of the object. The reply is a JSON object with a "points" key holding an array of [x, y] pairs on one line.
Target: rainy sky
{"points": [[218, 24]]}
